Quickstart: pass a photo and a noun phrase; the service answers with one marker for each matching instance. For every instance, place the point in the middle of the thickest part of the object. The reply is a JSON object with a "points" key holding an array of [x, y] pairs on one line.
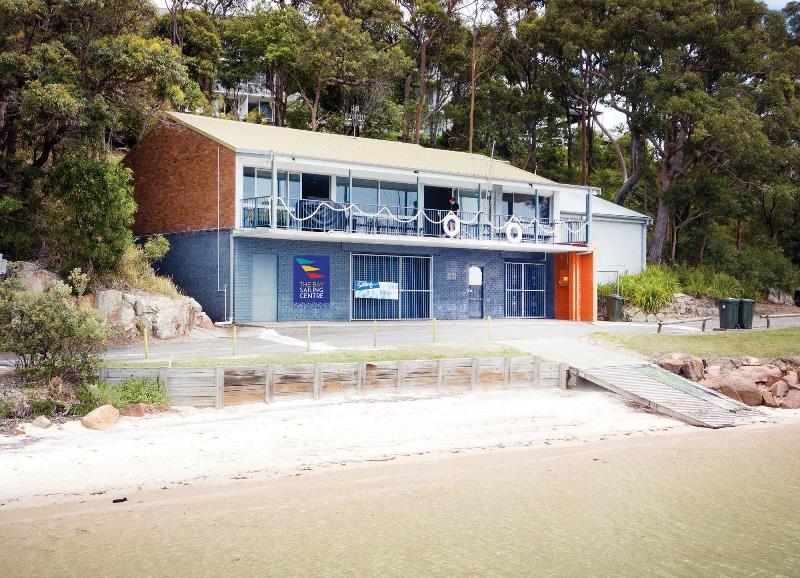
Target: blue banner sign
{"points": [[376, 290], [312, 282]]}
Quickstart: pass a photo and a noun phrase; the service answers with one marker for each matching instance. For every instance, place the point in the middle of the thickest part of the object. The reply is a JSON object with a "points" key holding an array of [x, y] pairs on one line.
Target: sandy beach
{"points": [[202, 447]]}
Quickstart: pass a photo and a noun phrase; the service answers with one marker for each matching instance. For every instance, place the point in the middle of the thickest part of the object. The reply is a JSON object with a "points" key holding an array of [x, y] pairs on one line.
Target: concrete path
{"points": [[576, 352]]}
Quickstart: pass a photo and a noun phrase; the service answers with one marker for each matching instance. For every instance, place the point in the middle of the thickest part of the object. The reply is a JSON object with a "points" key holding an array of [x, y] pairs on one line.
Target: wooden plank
{"points": [[562, 375], [219, 385], [317, 381]]}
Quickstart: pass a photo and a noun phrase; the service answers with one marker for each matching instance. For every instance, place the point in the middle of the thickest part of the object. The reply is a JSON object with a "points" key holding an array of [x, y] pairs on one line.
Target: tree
{"points": [[425, 20], [335, 51], [89, 213], [78, 74]]}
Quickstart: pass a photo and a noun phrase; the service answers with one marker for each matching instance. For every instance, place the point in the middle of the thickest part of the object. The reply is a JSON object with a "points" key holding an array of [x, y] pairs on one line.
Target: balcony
{"points": [[329, 216]]}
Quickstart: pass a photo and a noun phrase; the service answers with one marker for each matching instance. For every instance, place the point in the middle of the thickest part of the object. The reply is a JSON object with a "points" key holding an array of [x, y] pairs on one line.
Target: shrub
{"points": [[42, 406], [136, 271], [131, 390], [706, 282], [87, 222], [758, 267], [650, 290], [79, 281], [48, 334]]}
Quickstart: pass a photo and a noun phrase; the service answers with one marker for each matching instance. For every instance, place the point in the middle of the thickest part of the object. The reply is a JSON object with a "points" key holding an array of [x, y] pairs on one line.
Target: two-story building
{"points": [[278, 224]]}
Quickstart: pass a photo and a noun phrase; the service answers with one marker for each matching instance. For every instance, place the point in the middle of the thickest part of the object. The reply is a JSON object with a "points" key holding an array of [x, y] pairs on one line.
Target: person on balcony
{"points": [[453, 208]]}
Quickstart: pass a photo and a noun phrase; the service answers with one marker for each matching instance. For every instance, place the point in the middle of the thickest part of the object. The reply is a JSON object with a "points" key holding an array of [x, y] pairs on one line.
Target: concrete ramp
{"points": [[670, 394]]}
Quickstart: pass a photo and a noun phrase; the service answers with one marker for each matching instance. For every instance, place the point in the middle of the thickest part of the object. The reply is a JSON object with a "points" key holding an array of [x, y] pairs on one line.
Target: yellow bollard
{"points": [[234, 340], [146, 345], [375, 334], [308, 337], [488, 327], [434, 329]]}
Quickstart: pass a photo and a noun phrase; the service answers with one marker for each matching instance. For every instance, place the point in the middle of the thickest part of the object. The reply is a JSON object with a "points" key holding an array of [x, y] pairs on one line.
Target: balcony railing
{"points": [[330, 216]]}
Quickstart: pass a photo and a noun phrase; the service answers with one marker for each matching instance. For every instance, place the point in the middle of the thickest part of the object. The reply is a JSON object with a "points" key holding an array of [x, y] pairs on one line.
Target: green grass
{"points": [[336, 356], [764, 343]]}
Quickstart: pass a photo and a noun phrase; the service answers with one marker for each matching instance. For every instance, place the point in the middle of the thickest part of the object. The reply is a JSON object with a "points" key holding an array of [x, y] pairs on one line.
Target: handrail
{"points": [[689, 320], [770, 316], [320, 214]]}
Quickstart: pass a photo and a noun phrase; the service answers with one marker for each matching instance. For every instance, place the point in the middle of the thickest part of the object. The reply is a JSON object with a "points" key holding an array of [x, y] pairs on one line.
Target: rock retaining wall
{"points": [[774, 383], [128, 312]]}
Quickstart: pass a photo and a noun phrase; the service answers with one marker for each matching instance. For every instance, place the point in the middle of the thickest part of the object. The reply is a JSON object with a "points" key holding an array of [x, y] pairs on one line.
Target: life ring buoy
{"points": [[451, 225], [514, 232]]}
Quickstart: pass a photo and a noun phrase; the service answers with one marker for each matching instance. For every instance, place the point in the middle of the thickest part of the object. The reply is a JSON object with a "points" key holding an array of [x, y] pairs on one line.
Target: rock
{"points": [[204, 321], [750, 361], [736, 387], [163, 317], [18, 431], [692, 369], [765, 374], [672, 365], [42, 422], [792, 400], [779, 388], [713, 371], [769, 399], [779, 297], [792, 378], [135, 410], [34, 278], [101, 418]]}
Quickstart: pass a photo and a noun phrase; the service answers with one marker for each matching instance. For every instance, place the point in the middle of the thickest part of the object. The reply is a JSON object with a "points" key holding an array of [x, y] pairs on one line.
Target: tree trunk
{"points": [[637, 153], [738, 234], [703, 242], [315, 108], [672, 166], [584, 147], [423, 82], [472, 81], [406, 100]]}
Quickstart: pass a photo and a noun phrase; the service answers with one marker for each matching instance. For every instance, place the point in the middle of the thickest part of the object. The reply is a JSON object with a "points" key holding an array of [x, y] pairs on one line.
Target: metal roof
{"points": [[244, 136], [576, 204]]}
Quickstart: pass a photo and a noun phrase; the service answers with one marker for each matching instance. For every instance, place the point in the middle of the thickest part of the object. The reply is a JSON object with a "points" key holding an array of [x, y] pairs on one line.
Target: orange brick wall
{"points": [[175, 181], [576, 299]]}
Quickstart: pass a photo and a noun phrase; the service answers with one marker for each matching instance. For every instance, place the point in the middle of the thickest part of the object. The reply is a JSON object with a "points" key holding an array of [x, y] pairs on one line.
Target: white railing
{"points": [[330, 216]]}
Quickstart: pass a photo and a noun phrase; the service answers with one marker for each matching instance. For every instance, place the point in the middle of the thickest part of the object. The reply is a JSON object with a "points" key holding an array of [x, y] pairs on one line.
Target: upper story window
{"points": [[400, 198], [258, 183], [524, 206]]}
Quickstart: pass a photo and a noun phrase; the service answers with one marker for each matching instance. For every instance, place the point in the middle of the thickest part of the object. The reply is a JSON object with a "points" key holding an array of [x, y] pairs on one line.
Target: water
{"points": [[706, 503]]}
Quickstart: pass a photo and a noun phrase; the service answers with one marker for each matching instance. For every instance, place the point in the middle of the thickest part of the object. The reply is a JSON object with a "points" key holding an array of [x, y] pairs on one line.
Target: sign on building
{"points": [[312, 283], [376, 290]]}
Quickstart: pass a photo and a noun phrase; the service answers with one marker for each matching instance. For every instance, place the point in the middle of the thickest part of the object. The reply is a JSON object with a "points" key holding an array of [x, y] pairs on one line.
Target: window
{"points": [[400, 198], [316, 186], [544, 207], [468, 200], [342, 189], [365, 193], [256, 182], [524, 205]]}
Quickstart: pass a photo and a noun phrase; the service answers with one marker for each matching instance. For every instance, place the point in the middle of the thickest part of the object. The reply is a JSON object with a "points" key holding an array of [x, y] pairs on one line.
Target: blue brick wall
{"points": [[450, 277], [193, 262]]}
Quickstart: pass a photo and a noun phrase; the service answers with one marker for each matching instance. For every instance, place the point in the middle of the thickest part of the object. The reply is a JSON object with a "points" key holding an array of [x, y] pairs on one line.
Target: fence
{"points": [[225, 386]]}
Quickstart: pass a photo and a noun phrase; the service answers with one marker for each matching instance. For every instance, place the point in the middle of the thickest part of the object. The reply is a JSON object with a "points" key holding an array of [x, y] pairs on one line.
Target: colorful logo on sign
{"points": [[312, 279], [307, 265]]}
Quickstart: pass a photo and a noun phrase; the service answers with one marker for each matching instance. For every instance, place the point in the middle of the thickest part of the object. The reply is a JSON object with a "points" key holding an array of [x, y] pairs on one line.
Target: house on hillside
{"points": [[277, 224]]}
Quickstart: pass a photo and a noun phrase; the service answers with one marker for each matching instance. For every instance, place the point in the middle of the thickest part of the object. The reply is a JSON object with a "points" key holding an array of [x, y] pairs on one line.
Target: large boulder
{"points": [[779, 297], [737, 387], [779, 389], [792, 400], [35, 278], [101, 418], [692, 368], [163, 317], [770, 400], [763, 374]]}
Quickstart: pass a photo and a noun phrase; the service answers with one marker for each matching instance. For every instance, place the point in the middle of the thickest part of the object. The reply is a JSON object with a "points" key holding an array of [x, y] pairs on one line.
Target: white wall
{"points": [[620, 246]]}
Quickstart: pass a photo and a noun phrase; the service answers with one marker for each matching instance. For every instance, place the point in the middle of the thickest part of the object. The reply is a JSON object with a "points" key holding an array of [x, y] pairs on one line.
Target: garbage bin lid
{"points": [[728, 300]]}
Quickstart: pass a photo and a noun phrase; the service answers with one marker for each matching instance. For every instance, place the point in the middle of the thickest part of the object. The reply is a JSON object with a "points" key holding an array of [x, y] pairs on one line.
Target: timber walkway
{"points": [[670, 394]]}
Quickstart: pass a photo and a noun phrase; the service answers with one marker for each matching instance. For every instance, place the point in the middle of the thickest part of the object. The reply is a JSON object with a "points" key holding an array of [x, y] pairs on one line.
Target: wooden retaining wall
{"points": [[225, 386]]}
